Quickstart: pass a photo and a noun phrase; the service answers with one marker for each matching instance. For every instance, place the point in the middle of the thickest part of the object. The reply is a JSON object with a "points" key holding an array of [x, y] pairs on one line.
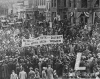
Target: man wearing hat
{"points": [[31, 74], [49, 72], [13, 75], [44, 73], [37, 74], [22, 74]]}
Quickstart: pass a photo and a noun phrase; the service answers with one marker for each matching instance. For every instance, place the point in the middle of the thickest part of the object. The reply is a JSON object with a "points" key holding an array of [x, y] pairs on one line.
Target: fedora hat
{"points": [[31, 68]]}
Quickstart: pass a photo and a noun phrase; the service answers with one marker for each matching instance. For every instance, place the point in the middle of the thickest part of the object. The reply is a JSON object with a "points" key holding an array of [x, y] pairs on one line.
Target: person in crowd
{"points": [[71, 73], [49, 72], [13, 75], [22, 74], [5, 72], [76, 38], [44, 75], [31, 74], [97, 74], [37, 74], [39, 65], [65, 72], [17, 68], [55, 75]]}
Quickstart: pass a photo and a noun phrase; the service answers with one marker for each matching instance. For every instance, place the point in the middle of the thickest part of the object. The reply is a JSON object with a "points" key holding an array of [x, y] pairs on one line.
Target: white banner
{"points": [[43, 40], [29, 42]]}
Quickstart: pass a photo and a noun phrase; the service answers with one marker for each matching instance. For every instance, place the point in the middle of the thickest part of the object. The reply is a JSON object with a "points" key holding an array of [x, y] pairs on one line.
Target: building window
{"points": [[36, 2], [64, 15], [54, 14], [74, 3], [42, 2], [96, 4], [59, 3], [49, 6], [64, 3], [54, 3], [69, 3], [84, 3]]}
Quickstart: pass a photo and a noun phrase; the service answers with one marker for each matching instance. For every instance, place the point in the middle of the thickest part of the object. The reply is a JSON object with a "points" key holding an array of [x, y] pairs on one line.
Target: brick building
{"points": [[75, 10], [59, 7], [37, 7]]}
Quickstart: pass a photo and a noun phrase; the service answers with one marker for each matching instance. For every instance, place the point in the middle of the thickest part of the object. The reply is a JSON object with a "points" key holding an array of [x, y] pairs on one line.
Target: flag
{"points": [[86, 14]]}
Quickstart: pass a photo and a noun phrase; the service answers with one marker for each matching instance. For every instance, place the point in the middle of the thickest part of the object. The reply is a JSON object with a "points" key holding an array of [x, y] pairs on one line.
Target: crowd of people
{"points": [[52, 60]]}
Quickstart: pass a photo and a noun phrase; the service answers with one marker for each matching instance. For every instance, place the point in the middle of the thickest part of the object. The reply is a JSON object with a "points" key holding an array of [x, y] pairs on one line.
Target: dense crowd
{"points": [[61, 57]]}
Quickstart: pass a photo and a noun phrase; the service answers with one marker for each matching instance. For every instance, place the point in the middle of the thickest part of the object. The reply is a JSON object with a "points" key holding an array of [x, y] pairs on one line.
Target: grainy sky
{"points": [[8, 3]]}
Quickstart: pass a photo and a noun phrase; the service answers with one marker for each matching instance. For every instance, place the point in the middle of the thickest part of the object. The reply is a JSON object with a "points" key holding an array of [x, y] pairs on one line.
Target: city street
{"points": [[48, 39]]}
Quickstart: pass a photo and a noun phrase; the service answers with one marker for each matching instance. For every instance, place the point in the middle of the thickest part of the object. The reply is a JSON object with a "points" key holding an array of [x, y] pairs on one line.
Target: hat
{"points": [[30, 68], [44, 68], [49, 65]]}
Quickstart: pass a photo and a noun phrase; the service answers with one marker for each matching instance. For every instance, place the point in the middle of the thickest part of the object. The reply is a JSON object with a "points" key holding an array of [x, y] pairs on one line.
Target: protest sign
{"points": [[43, 40], [56, 39], [29, 42]]}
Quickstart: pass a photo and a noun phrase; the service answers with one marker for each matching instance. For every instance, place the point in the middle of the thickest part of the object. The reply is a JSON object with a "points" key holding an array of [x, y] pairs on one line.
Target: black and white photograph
{"points": [[49, 39]]}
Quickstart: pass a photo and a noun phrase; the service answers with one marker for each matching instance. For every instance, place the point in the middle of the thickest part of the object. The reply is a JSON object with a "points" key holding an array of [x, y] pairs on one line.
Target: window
{"points": [[42, 2], [69, 3], [74, 3], [54, 14], [84, 3], [37, 2], [96, 4], [58, 2], [54, 3], [49, 6], [64, 15], [64, 3]]}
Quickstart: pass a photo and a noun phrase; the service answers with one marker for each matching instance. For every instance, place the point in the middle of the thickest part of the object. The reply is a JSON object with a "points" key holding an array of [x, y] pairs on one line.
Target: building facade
{"points": [[75, 10], [54, 7], [48, 10], [18, 9], [37, 6]]}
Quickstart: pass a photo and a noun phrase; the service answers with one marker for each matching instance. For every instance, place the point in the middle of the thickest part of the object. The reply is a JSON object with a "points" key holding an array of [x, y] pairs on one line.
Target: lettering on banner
{"points": [[55, 41], [43, 40], [57, 37], [27, 44]]}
